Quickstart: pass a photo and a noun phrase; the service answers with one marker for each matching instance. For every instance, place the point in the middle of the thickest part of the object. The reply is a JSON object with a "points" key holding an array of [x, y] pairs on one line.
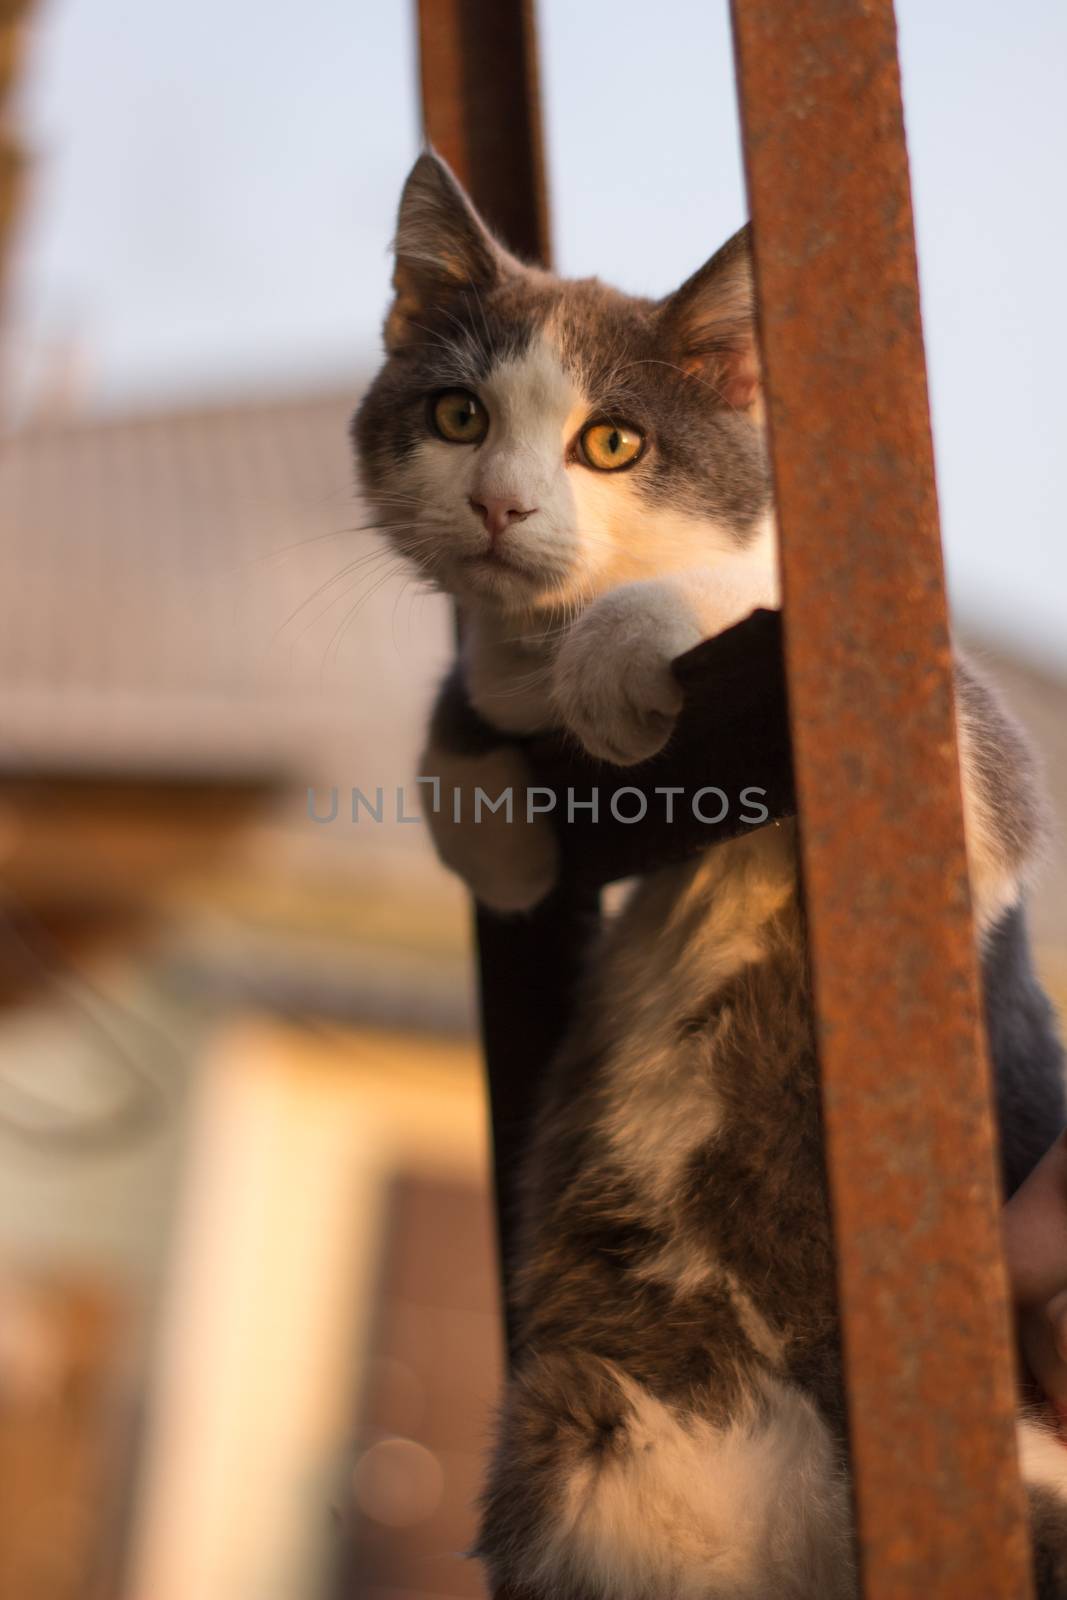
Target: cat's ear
{"points": [[442, 246], [710, 324]]}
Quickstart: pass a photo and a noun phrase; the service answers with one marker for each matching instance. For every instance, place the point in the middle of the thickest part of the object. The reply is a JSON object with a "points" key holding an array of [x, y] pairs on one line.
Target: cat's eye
{"points": [[607, 446], [459, 417]]}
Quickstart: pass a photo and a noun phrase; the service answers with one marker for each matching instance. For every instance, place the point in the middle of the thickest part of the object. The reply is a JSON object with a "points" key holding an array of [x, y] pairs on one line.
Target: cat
{"points": [[585, 472]]}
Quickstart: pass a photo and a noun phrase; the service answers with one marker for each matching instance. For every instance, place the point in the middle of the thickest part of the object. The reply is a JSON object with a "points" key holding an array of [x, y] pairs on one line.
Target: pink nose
{"points": [[499, 514]]}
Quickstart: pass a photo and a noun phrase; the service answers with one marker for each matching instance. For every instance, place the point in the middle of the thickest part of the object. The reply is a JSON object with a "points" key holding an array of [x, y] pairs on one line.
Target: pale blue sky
{"points": [[217, 180]]}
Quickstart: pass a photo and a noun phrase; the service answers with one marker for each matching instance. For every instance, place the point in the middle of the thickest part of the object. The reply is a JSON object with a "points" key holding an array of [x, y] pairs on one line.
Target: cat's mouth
{"points": [[499, 574], [497, 561], [491, 571], [494, 557]]}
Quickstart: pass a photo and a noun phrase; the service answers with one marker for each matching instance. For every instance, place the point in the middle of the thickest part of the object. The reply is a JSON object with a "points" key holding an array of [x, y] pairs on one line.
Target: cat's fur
{"points": [[674, 1423]]}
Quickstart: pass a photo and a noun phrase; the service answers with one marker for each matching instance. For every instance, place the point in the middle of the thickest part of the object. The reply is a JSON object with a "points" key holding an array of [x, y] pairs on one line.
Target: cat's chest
{"points": [[507, 668]]}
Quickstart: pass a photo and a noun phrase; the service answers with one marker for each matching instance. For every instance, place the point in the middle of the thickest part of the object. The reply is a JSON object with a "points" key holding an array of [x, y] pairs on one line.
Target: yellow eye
{"points": [[607, 446], [459, 417]]}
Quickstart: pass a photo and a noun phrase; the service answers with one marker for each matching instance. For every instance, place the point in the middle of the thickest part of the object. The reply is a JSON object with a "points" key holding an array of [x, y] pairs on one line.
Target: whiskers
{"points": [[412, 585], [355, 585], [419, 549], [365, 568], [359, 579]]}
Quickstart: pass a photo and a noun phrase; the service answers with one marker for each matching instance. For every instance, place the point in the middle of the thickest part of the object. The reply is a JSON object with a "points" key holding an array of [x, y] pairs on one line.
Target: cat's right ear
{"points": [[710, 324], [442, 247]]}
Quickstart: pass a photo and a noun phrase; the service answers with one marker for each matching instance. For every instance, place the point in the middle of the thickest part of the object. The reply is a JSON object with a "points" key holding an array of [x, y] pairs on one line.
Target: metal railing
{"points": [[910, 1140]]}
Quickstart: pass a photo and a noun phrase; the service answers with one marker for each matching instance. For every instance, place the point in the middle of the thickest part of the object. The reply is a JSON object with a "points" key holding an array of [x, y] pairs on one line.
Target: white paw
{"points": [[612, 686], [507, 865]]}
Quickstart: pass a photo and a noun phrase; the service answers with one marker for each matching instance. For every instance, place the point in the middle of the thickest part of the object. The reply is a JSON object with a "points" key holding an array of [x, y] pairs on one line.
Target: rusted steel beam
{"points": [[482, 111], [14, 21], [478, 75], [909, 1132]]}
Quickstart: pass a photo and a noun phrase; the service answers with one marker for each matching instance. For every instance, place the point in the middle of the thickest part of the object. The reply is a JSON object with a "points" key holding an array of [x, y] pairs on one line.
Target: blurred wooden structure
{"points": [[332, 1237], [59, 1339], [923, 1291], [87, 860], [60, 1376], [431, 1377]]}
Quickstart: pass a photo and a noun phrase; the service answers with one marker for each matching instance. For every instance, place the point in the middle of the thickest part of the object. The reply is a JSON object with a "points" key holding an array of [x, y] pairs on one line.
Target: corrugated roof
{"points": [[158, 605]]}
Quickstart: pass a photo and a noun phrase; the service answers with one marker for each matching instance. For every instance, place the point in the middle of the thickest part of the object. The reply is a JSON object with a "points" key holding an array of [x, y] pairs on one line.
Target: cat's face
{"points": [[531, 442]]}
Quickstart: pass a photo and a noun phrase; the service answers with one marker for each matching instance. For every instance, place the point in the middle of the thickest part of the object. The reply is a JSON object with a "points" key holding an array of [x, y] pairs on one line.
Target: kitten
{"points": [[586, 473]]}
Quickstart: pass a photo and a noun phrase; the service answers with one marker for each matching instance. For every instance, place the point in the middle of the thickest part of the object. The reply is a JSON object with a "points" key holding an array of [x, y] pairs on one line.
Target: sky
{"points": [[216, 185]]}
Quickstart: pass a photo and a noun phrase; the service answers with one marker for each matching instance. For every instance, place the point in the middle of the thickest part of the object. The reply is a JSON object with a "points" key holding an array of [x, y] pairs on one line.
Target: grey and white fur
{"points": [[673, 1428]]}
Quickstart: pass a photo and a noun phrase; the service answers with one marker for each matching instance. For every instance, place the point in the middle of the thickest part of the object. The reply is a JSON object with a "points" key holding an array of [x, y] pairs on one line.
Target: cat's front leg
{"points": [[473, 784], [613, 687]]}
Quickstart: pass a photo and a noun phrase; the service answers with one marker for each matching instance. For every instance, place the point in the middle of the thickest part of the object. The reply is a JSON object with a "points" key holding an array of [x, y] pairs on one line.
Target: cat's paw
{"points": [[509, 863], [613, 687]]}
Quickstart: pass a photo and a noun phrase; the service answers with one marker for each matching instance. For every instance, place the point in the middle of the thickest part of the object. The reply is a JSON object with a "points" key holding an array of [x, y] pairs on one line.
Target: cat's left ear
{"points": [[710, 324], [442, 247]]}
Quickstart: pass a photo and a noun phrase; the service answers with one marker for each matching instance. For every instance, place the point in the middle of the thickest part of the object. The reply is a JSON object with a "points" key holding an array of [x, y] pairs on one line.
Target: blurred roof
{"points": [[187, 595], [175, 590]]}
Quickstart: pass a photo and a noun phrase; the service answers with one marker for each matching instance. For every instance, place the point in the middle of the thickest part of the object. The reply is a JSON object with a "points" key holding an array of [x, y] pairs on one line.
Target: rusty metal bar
{"points": [[14, 27], [481, 109], [478, 75], [909, 1131]]}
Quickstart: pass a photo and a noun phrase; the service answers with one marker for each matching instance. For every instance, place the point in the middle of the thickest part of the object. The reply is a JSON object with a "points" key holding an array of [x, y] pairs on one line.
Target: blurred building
{"points": [[191, 604], [211, 998]]}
